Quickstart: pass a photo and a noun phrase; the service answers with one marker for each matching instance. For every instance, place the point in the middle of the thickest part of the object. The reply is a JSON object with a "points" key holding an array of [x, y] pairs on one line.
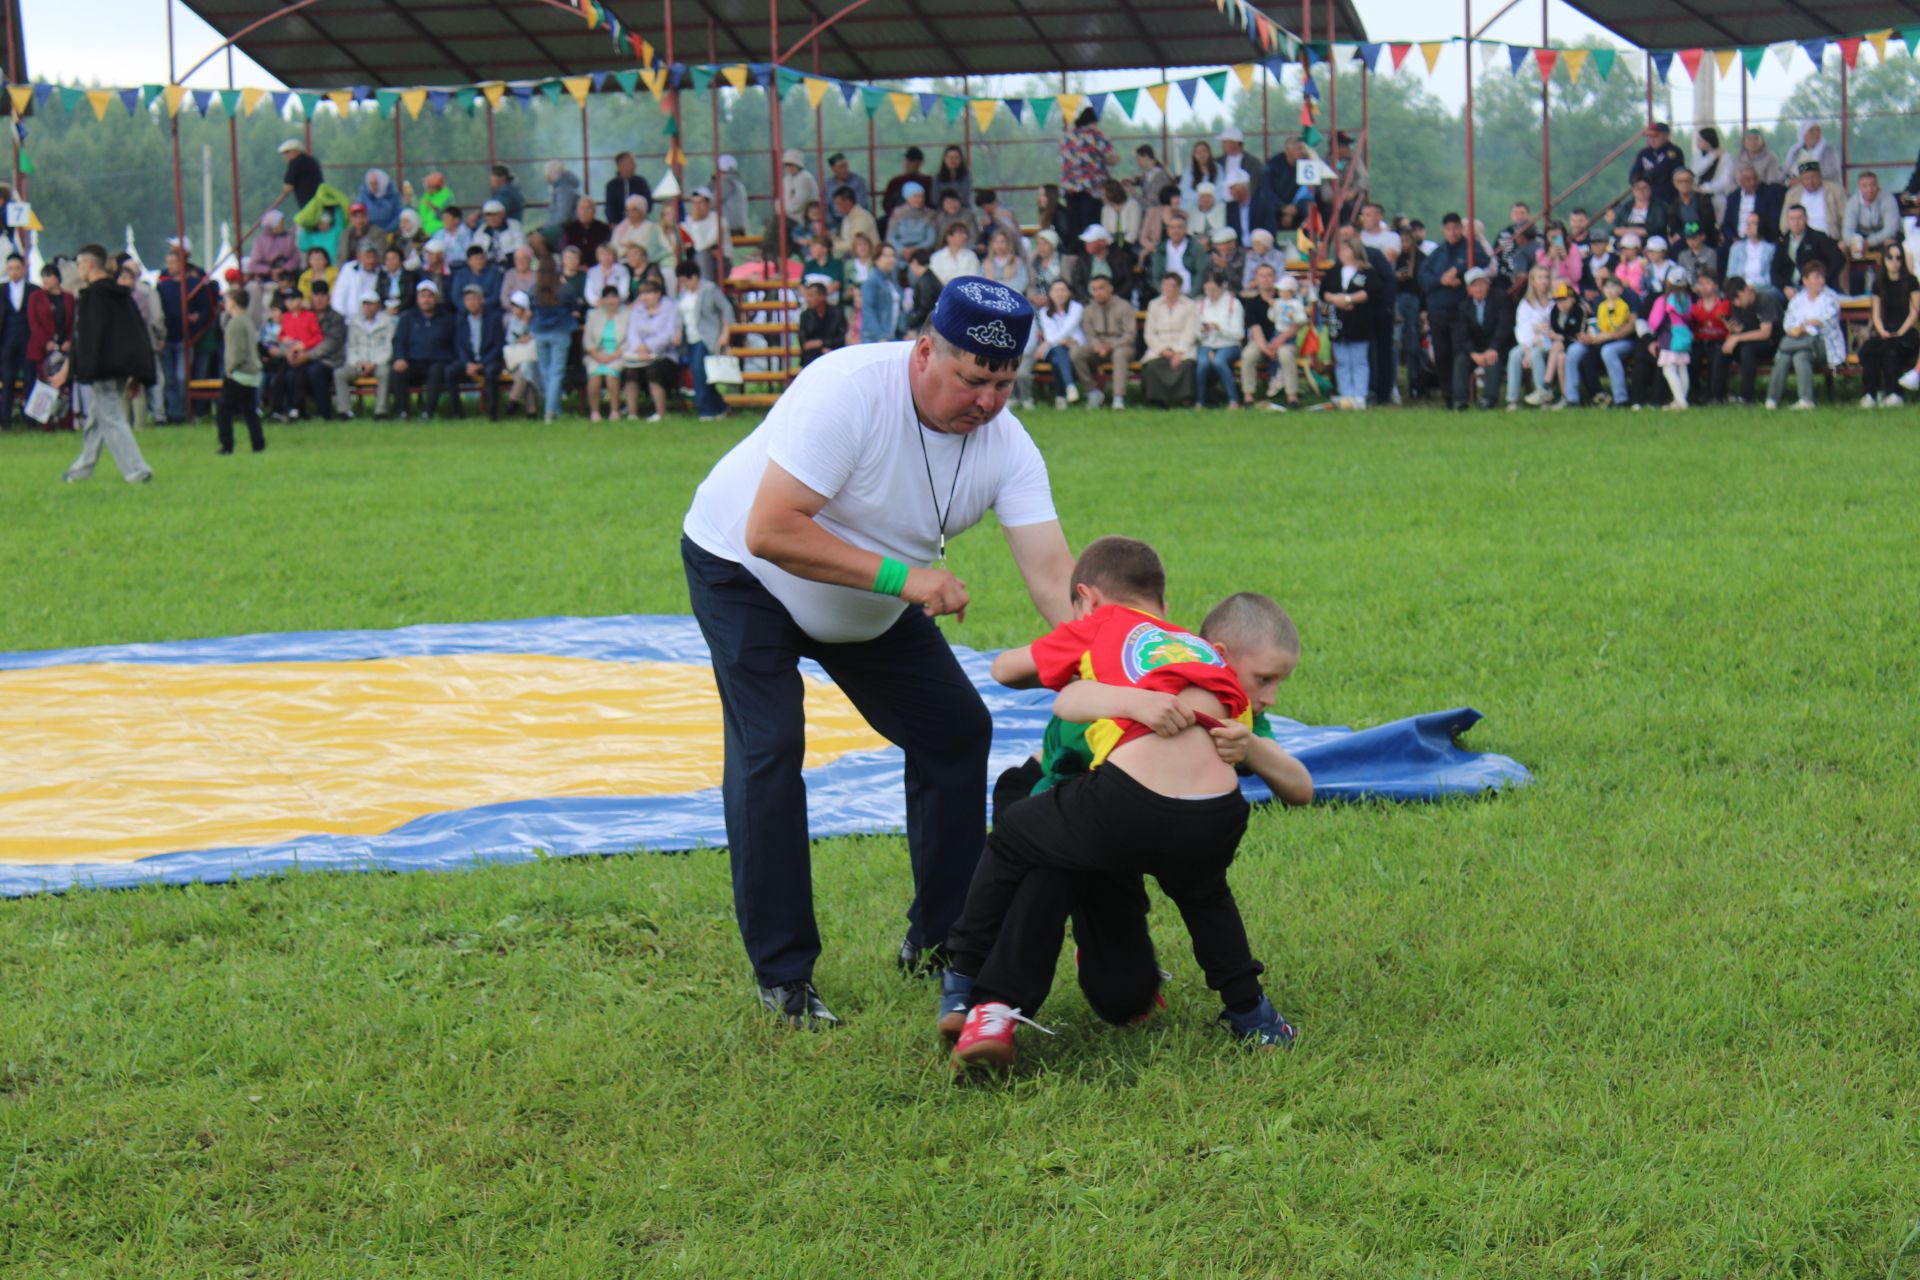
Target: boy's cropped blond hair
{"points": [[1247, 619]]}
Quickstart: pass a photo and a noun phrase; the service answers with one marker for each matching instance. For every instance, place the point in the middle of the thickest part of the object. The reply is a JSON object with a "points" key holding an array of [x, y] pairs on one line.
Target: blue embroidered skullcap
{"points": [[983, 317]]}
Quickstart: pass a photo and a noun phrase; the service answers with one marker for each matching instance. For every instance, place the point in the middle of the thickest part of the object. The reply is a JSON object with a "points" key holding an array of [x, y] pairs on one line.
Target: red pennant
{"points": [[1314, 226], [1399, 52], [1850, 50], [1690, 59], [635, 42], [1306, 114], [1546, 58]]}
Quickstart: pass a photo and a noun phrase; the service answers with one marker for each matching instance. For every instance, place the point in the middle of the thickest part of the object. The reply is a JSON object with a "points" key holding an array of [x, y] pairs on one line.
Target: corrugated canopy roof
{"points": [[1704, 24], [333, 45]]}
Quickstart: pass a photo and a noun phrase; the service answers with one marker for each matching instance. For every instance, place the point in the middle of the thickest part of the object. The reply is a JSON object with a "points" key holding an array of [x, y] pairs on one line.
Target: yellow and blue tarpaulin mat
{"points": [[439, 746]]}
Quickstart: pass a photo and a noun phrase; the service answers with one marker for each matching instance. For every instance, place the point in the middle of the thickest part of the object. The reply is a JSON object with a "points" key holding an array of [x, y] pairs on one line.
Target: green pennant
{"points": [[627, 80], [551, 91], [1312, 136], [873, 99], [1218, 83], [671, 128], [1751, 58], [1128, 99], [467, 99], [26, 163], [956, 107], [71, 98], [1603, 61], [1910, 36], [308, 101], [230, 101], [702, 77], [385, 99], [1041, 106], [148, 92]]}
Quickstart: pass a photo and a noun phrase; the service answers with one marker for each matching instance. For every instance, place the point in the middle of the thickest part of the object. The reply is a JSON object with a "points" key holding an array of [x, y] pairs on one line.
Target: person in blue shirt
{"points": [[1443, 279], [479, 350], [477, 270], [422, 350], [1658, 160], [880, 298]]}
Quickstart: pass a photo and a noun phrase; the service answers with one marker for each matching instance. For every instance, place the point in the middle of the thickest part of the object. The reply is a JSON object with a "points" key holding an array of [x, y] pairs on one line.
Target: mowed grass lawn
{"points": [[1654, 1016]]}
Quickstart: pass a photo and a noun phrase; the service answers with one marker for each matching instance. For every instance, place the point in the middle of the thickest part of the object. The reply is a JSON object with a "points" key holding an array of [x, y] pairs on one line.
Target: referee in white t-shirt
{"points": [[823, 535]]}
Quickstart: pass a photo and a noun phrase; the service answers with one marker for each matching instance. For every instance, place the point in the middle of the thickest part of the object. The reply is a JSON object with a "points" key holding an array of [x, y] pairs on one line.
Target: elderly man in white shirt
{"points": [[1208, 214], [1872, 219], [1815, 337]]}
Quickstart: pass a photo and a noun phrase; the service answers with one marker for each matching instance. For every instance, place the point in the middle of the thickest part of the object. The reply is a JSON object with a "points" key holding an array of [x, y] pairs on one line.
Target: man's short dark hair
{"points": [[1172, 275], [844, 193], [320, 286], [322, 252], [49, 271], [948, 193], [609, 292], [961, 227], [984, 197], [453, 209], [687, 271], [240, 295], [1450, 218], [1144, 150], [921, 257], [476, 248], [500, 171], [1639, 178], [1736, 285], [1814, 268], [916, 154], [1125, 568], [1579, 209], [836, 157], [98, 252], [1246, 619], [989, 363]]}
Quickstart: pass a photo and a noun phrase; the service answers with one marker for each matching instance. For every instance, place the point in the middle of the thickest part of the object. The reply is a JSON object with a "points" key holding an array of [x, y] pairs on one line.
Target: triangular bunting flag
{"points": [[1158, 92], [130, 99], [250, 100], [1752, 57], [1603, 61], [903, 105], [816, 91], [1041, 106], [1430, 50], [1369, 54], [280, 101], [983, 111], [467, 99], [578, 87], [702, 78], [735, 75], [1245, 72], [671, 128], [1546, 58], [630, 80], [307, 101], [148, 92], [1662, 63], [1218, 83], [873, 99], [22, 94], [230, 101], [41, 92], [71, 96], [174, 94], [1576, 60], [1814, 49], [1849, 51], [1017, 108], [1517, 57], [1188, 88], [413, 100], [99, 100], [1309, 90], [656, 82], [202, 99], [438, 100], [1878, 40], [495, 92], [1488, 52], [1399, 53], [956, 107], [1783, 54], [1910, 36], [550, 90], [1099, 104], [1690, 59], [341, 99], [1069, 104], [1723, 58], [1128, 100], [591, 12], [928, 101]]}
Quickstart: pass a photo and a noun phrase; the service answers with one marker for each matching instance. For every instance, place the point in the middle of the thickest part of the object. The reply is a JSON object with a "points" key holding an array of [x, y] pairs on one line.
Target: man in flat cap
{"points": [[823, 536]]}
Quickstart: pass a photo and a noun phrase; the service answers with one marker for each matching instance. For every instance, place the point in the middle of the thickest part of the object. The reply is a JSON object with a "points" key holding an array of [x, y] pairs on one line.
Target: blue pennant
{"points": [[677, 74], [41, 92], [202, 99], [1188, 88], [1517, 56], [1308, 89], [130, 99], [438, 100], [280, 102], [599, 79], [848, 91], [1017, 108], [1815, 49], [1370, 54], [1098, 102], [928, 101], [1662, 61]]}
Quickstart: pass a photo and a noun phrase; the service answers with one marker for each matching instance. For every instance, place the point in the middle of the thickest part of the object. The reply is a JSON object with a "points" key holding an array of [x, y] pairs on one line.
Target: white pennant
{"points": [[1784, 53], [1488, 52], [1341, 56]]}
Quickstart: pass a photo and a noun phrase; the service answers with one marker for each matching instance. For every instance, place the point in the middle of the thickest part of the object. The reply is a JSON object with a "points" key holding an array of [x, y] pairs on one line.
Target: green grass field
{"points": [[1654, 1016]]}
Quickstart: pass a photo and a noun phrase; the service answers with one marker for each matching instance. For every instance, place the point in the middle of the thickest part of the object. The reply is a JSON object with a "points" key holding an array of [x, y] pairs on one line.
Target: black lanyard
{"points": [[933, 491]]}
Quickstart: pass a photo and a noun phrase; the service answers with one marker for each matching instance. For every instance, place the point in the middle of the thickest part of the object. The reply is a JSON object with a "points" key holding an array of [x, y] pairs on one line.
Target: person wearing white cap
{"points": [[498, 234], [369, 355], [1097, 259], [303, 177], [422, 350], [1235, 160], [913, 225], [1262, 253], [637, 228], [1209, 212], [707, 233], [1482, 336], [798, 188], [521, 354], [730, 193], [1227, 257]]}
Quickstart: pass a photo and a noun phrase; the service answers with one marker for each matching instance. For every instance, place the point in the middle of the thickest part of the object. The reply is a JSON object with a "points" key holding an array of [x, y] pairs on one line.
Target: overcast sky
{"points": [[123, 42]]}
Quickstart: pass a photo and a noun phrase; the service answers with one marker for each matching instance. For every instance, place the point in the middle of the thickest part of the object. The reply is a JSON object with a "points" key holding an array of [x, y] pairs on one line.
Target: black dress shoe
{"points": [[921, 962], [798, 1005]]}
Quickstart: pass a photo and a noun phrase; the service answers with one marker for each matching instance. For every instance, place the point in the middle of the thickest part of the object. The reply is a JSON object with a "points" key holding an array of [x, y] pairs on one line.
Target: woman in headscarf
{"points": [[1755, 152], [382, 200], [409, 238], [1814, 146], [273, 247]]}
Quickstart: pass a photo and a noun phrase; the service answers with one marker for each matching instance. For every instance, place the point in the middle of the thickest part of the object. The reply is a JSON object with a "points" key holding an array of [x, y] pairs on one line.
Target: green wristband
{"points": [[892, 578]]}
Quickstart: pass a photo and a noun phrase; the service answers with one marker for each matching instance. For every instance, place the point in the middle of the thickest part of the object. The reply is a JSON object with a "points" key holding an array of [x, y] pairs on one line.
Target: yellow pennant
{"points": [[816, 90], [252, 98], [101, 99], [22, 94], [578, 87], [494, 91], [903, 104], [1723, 58], [1430, 50], [675, 156], [591, 12], [1245, 71], [174, 93], [1070, 104], [342, 100], [646, 54], [736, 75], [1879, 42], [983, 109], [413, 100], [1158, 92], [1576, 61]]}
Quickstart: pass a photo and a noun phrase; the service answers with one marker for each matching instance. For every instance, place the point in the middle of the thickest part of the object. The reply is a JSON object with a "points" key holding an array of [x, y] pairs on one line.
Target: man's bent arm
{"points": [[1046, 565]]}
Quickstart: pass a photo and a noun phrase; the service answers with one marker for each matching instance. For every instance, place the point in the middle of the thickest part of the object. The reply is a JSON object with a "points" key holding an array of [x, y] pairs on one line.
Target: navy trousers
{"points": [[910, 688]]}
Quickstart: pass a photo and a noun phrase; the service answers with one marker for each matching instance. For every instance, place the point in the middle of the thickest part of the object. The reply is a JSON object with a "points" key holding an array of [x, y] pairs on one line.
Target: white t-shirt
{"points": [[1816, 207], [1385, 239], [846, 428]]}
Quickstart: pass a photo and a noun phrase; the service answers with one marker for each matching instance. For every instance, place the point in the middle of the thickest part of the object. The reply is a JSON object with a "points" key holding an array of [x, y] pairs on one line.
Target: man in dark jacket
{"points": [[1799, 245], [303, 178], [1443, 282], [625, 182], [14, 294], [111, 351], [1482, 337], [1755, 197], [422, 350], [187, 306], [925, 288], [479, 350], [1099, 250]]}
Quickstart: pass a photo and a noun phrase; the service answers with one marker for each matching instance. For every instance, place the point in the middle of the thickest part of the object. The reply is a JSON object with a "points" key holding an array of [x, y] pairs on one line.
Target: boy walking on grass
{"points": [[1161, 799]]}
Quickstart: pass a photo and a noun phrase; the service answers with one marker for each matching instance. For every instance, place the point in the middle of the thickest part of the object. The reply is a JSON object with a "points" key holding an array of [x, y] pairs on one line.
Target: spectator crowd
{"points": [[1228, 279]]}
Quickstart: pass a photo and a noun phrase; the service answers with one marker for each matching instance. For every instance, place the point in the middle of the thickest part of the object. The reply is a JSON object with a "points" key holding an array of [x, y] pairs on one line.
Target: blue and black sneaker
{"points": [[956, 997], [1261, 1025]]}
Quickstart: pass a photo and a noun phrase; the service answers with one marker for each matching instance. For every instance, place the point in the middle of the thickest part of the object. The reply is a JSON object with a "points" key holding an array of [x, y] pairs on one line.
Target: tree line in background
{"points": [[94, 178]]}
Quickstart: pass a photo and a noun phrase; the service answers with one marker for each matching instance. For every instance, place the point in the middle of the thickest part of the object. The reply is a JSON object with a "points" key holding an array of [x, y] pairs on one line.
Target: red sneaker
{"points": [[986, 1040]]}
